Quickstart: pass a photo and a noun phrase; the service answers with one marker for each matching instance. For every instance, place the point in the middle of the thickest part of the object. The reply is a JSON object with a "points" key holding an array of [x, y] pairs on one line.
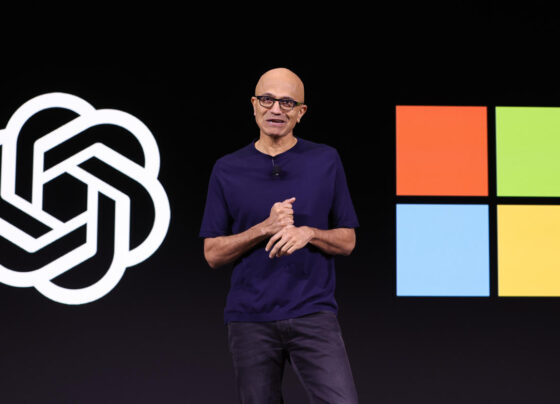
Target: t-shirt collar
{"points": [[285, 152]]}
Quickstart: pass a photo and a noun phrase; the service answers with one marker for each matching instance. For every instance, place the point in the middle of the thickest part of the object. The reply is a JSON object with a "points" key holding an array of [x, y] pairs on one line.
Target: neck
{"points": [[274, 145]]}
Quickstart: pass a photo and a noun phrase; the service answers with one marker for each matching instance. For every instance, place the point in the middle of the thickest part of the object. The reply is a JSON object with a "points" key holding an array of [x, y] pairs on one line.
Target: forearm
{"points": [[222, 250], [334, 241]]}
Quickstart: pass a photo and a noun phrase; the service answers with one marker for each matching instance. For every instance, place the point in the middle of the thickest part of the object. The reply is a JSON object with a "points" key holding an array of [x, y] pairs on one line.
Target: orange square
{"points": [[442, 151]]}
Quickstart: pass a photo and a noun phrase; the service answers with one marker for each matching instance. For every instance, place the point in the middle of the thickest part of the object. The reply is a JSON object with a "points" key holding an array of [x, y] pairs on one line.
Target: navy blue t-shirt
{"points": [[243, 187]]}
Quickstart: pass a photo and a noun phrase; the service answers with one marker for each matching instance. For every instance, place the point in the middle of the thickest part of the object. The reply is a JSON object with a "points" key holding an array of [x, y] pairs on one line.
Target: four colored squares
{"points": [[443, 248]]}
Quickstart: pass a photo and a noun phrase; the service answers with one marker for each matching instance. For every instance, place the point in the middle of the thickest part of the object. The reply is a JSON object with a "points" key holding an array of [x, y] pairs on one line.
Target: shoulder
{"points": [[319, 150], [233, 159]]}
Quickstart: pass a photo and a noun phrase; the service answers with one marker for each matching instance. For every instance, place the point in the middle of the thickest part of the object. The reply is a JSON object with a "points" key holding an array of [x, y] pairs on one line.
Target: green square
{"points": [[528, 151]]}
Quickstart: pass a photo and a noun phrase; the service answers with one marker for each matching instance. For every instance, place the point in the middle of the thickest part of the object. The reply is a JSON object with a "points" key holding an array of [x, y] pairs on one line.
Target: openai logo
{"points": [[144, 174]]}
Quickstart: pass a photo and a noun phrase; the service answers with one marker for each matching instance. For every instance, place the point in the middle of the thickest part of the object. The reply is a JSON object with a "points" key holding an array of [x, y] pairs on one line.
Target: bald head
{"points": [[281, 80], [275, 120]]}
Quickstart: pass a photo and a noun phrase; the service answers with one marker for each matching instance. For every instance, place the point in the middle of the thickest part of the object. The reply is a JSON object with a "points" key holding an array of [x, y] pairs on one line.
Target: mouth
{"points": [[275, 121]]}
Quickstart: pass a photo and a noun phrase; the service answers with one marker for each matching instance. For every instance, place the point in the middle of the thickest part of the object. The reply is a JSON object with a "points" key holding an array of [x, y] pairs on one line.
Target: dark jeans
{"points": [[312, 344]]}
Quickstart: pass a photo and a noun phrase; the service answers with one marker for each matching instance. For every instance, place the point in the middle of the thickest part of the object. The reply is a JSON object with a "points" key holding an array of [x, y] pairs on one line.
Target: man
{"points": [[280, 209]]}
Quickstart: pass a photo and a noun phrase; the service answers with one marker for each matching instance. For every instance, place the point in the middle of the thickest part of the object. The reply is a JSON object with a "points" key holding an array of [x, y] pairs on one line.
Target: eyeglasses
{"points": [[286, 104]]}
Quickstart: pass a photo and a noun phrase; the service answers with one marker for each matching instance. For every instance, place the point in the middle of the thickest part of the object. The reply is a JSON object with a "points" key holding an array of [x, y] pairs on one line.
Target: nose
{"points": [[276, 108]]}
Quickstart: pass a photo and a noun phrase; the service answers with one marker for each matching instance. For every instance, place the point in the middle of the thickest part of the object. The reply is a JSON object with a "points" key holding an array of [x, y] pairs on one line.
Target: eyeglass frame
{"points": [[296, 103]]}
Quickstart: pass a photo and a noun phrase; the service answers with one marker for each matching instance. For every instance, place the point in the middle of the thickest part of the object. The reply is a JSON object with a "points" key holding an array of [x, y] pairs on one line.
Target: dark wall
{"points": [[158, 337]]}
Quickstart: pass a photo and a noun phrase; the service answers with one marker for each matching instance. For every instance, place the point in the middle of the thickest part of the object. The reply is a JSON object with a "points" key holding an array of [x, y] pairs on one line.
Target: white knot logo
{"points": [[146, 175]]}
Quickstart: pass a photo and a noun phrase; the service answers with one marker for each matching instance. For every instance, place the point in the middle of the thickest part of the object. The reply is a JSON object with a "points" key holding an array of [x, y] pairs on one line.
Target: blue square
{"points": [[442, 250]]}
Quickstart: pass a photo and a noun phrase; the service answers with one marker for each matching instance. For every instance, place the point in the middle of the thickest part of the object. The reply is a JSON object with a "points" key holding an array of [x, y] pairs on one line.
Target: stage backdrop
{"points": [[107, 141]]}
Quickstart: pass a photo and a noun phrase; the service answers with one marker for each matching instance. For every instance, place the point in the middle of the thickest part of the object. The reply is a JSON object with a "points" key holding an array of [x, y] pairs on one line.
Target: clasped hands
{"points": [[286, 238]]}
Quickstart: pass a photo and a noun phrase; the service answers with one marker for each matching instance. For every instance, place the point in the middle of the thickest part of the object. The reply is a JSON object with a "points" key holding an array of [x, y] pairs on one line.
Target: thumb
{"points": [[290, 200]]}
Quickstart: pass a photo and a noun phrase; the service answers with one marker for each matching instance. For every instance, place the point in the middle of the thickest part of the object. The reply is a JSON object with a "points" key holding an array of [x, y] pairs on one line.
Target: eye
{"points": [[266, 98], [287, 102]]}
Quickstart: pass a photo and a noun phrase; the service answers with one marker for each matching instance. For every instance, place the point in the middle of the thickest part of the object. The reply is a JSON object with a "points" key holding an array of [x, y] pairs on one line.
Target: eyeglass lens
{"points": [[285, 104]]}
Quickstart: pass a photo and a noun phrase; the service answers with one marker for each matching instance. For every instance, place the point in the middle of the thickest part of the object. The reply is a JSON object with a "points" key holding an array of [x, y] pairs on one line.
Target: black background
{"points": [[158, 337]]}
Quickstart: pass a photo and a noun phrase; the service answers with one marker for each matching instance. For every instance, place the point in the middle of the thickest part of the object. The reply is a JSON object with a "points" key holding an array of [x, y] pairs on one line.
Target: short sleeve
{"points": [[216, 220], [342, 212]]}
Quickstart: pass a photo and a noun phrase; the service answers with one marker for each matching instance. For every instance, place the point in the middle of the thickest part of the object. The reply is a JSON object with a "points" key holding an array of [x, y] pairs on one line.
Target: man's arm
{"points": [[222, 250], [339, 241], [333, 241]]}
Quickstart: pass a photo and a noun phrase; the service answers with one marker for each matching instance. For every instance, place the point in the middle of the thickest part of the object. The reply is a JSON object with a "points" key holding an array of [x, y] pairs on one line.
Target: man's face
{"points": [[276, 121]]}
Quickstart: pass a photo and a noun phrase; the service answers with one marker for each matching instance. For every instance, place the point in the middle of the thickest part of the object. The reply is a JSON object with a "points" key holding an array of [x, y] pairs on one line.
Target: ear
{"points": [[301, 112], [254, 102]]}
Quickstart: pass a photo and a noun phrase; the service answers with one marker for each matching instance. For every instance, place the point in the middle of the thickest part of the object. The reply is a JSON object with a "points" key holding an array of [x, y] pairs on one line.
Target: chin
{"points": [[277, 135]]}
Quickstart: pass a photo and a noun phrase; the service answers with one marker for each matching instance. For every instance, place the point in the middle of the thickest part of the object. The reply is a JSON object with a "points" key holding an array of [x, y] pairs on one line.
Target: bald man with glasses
{"points": [[280, 210]]}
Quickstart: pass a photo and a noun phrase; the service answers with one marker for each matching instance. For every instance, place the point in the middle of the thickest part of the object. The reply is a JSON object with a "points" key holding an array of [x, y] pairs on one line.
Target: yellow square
{"points": [[528, 250]]}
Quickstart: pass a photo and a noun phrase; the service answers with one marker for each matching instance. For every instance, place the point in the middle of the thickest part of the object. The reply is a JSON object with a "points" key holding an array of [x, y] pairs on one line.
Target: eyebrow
{"points": [[280, 98]]}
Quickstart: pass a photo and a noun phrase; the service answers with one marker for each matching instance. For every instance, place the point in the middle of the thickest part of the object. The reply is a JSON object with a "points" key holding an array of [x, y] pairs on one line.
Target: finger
{"points": [[273, 240], [286, 207], [288, 221], [280, 253], [283, 215], [274, 250], [290, 200], [277, 247], [282, 250], [268, 245], [287, 250], [291, 249], [286, 242]]}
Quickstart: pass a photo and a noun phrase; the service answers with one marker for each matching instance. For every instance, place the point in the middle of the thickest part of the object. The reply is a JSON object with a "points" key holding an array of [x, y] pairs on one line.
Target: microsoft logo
{"points": [[475, 206]]}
